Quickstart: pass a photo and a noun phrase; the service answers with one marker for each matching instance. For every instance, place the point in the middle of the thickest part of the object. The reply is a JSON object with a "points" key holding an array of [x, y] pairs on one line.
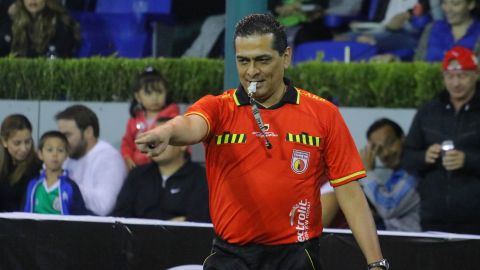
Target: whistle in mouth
{"points": [[252, 88]]}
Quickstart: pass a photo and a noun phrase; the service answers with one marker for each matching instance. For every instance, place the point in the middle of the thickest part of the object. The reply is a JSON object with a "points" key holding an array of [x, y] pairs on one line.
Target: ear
{"points": [[4, 143], [137, 97], [39, 154], [88, 132], [287, 57]]}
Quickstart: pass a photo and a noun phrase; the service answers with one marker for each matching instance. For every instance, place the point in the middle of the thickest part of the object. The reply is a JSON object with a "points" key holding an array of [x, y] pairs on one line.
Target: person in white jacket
{"points": [[95, 165]]}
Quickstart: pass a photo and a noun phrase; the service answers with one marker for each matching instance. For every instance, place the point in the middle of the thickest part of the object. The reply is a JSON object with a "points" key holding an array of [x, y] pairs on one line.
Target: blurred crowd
{"points": [[393, 30]]}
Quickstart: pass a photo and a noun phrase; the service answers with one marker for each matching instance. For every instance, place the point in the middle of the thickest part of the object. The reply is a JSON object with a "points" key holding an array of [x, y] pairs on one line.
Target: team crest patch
{"points": [[300, 161]]}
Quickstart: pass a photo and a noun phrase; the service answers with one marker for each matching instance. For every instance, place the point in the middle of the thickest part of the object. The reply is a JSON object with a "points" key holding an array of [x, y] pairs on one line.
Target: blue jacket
{"points": [[72, 200], [440, 39]]}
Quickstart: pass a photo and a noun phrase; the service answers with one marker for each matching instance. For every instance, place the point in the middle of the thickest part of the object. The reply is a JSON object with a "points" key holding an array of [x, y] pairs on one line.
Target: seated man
{"points": [[95, 165], [394, 197], [172, 187]]}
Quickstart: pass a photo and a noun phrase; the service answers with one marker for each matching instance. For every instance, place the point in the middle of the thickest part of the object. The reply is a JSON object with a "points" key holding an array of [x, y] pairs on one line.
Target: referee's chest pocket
{"points": [[304, 157]]}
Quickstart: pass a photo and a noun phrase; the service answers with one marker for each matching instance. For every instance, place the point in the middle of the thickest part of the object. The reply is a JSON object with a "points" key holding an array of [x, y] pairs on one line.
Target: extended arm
{"points": [[181, 130]]}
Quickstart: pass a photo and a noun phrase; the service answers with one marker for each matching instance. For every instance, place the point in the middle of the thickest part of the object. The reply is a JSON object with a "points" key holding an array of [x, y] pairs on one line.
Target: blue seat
{"points": [[106, 34], [129, 6], [332, 51], [95, 40], [337, 21]]}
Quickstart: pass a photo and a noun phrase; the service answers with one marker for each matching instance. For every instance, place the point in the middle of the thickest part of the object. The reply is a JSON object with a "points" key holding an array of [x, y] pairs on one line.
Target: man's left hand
{"points": [[453, 160]]}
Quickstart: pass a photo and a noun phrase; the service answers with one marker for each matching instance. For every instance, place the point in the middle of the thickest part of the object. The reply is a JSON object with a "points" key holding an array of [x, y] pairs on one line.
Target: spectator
{"points": [[395, 197], [264, 179], [450, 184], [43, 28], [95, 165], [172, 187], [395, 36], [18, 163], [151, 102], [53, 192], [460, 28], [306, 24]]}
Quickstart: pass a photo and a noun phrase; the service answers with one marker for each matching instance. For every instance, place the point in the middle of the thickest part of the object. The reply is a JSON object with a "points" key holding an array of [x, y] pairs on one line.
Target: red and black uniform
{"points": [[272, 196]]}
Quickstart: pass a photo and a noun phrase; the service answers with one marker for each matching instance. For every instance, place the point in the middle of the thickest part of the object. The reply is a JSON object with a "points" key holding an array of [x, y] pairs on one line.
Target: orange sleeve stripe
{"points": [[348, 178], [206, 120]]}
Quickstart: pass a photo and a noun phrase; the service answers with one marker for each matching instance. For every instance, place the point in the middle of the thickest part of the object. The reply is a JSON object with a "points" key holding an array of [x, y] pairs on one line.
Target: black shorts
{"points": [[298, 256]]}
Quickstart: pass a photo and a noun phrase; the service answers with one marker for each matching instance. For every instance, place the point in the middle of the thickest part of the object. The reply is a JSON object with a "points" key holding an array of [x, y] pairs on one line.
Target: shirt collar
{"points": [[291, 96]]}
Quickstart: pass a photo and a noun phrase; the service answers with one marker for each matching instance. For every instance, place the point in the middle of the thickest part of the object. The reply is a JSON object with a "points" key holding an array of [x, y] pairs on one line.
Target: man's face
{"points": [[170, 155], [258, 62], [457, 11], [75, 137], [460, 84], [387, 146]]}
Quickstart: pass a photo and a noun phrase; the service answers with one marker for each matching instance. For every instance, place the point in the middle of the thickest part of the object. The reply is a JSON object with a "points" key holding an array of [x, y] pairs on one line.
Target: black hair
{"points": [[83, 117], [149, 79], [53, 134], [385, 122], [262, 24]]}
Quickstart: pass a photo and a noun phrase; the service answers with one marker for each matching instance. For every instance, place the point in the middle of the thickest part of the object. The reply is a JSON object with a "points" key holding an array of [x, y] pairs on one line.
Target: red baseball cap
{"points": [[463, 57]]}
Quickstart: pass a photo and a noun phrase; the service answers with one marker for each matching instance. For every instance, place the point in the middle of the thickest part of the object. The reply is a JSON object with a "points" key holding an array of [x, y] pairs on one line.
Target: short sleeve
{"points": [[208, 107], [342, 157]]}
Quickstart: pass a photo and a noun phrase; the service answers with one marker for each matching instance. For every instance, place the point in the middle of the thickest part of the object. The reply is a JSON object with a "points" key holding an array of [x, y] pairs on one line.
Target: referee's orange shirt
{"points": [[272, 196]]}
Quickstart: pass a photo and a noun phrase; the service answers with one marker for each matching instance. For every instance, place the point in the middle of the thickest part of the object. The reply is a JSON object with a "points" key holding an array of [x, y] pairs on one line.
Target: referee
{"points": [[268, 146]]}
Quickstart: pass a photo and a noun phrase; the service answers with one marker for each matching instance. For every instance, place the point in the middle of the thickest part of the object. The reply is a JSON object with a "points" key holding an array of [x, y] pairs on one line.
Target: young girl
{"points": [[151, 102], [18, 162], [53, 192]]}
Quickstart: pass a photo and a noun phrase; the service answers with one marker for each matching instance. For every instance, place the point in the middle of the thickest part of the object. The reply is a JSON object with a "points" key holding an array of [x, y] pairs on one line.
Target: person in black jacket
{"points": [[443, 147], [172, 187], [43, 28], [18, 162]]}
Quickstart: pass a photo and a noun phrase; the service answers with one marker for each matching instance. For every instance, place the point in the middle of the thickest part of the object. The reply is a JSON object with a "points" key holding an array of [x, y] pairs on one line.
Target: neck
{"points": [[52, 176], [275, 97], [90, 144], [459, 30], [458, 103], [172, 167], [150, 114]]}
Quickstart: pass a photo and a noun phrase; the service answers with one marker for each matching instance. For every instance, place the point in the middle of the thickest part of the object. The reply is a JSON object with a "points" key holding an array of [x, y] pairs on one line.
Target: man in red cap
{"points": [[443, 148]]}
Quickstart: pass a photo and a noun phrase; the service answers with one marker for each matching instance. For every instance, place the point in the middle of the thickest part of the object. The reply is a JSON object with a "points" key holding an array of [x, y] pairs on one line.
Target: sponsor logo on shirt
{"points": [[268, 133], [299, 217], [56, 204], [299, 161]]}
